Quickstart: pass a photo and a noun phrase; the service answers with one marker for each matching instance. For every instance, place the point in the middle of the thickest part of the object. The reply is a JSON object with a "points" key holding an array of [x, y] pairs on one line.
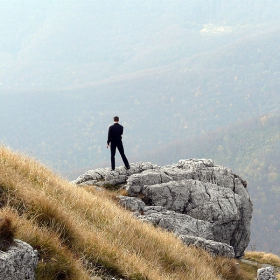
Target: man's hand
{"points": [[107, 146]]}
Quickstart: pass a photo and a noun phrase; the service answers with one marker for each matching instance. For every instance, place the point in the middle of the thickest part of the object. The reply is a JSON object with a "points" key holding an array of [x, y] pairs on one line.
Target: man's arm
{"points": [[109, 137]]}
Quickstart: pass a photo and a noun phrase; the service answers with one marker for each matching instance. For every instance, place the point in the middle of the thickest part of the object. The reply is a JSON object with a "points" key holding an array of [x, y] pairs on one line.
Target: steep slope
{"points": [[79, 233]]}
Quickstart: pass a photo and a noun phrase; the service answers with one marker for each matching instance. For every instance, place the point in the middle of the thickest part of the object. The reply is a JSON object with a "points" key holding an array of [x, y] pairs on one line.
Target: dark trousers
{"points": [[119, 145]]}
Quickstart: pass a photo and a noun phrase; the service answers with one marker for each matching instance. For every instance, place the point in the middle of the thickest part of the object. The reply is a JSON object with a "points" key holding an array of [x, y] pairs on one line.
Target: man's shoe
{"points": [[127, 167]]}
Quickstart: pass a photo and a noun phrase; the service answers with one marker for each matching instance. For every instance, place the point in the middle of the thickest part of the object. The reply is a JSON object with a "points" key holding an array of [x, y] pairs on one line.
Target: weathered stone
{"points": [[136, 182], [266, 273], [178, 223], [204, 191], [202, 201], [88, 183], [104, 176], [179, 196], [133, 204], [212, 247], [18, 262], [200, 170]]}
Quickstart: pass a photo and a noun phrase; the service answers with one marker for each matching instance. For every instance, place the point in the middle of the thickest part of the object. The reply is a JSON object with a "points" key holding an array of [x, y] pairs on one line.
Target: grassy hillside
{"points": [[81, 233]]}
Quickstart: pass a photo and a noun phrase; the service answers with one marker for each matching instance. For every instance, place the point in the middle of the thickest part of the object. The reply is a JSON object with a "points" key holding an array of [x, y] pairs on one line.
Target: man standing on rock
{"points": [[115, 141]]}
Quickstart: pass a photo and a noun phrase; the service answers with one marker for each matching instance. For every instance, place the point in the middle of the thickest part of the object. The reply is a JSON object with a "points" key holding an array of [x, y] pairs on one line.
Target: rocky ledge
{"points": [[206, 205]]}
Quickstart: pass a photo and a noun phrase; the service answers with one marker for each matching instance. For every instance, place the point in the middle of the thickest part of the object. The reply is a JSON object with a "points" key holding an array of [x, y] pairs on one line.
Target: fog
{"points": [[67, 67], [57, 44]]}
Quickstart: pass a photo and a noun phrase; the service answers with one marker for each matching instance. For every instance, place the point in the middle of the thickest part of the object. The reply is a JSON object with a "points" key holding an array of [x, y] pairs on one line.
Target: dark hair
{"points": [[116, 119]]}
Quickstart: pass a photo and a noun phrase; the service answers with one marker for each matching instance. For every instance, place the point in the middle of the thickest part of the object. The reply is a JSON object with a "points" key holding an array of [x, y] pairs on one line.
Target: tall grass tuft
{"points": [[7, 232], [55, 260], [263, 257]]}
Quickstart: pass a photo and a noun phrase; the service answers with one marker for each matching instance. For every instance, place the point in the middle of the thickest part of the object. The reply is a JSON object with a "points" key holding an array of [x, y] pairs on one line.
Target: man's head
{"points": [[116, 119]]}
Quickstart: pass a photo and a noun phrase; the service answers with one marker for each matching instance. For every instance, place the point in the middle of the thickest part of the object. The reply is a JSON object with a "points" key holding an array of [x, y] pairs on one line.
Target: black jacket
{"points": [[115, 133]]}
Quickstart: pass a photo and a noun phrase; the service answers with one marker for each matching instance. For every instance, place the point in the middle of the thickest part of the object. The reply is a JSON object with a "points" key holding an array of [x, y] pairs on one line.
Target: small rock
{"points": [[18, 262], [266, 273]]}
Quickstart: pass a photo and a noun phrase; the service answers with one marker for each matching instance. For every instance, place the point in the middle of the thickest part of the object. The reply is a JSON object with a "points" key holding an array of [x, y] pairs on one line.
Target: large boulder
{"points": [[19, 261], [193, 198]]}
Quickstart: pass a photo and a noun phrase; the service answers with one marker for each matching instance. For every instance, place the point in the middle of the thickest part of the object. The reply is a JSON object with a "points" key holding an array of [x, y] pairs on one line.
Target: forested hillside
{"points": [[68, 128], [54, 44], [182, 72]]}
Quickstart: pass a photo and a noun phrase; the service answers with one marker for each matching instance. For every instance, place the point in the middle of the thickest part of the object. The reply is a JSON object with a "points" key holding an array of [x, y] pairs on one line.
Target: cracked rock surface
{"points": [[201, 202], [266, 273], [18, 262]]}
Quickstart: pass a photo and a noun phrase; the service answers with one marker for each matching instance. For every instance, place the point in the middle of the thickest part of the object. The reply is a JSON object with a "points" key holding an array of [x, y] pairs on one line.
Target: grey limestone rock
{"points": [[18, 262], [178, 223], [103, 176], [212, 247], [137, 181], [193, 197], [133, 204], [203, 201], [203, 191], [266, 273]]}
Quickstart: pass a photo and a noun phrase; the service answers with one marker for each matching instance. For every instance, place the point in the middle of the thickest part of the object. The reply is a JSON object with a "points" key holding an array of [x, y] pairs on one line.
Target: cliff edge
{"points": [[206, 205]]}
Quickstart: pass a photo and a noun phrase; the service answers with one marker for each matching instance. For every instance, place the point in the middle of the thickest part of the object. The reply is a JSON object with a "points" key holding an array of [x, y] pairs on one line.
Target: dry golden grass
{"points": [[76, 230], [263, 257], [55, 260], [7, 232], [248, 271]]}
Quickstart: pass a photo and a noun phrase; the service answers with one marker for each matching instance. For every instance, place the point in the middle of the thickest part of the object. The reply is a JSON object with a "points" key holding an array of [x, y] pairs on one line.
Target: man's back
{"points": [[115, 132]]}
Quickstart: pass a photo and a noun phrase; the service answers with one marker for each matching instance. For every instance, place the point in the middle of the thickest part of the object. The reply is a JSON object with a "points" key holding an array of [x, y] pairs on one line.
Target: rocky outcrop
{"points": [[18, 262], [266, 273], [205, 204], [104, 176]]}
